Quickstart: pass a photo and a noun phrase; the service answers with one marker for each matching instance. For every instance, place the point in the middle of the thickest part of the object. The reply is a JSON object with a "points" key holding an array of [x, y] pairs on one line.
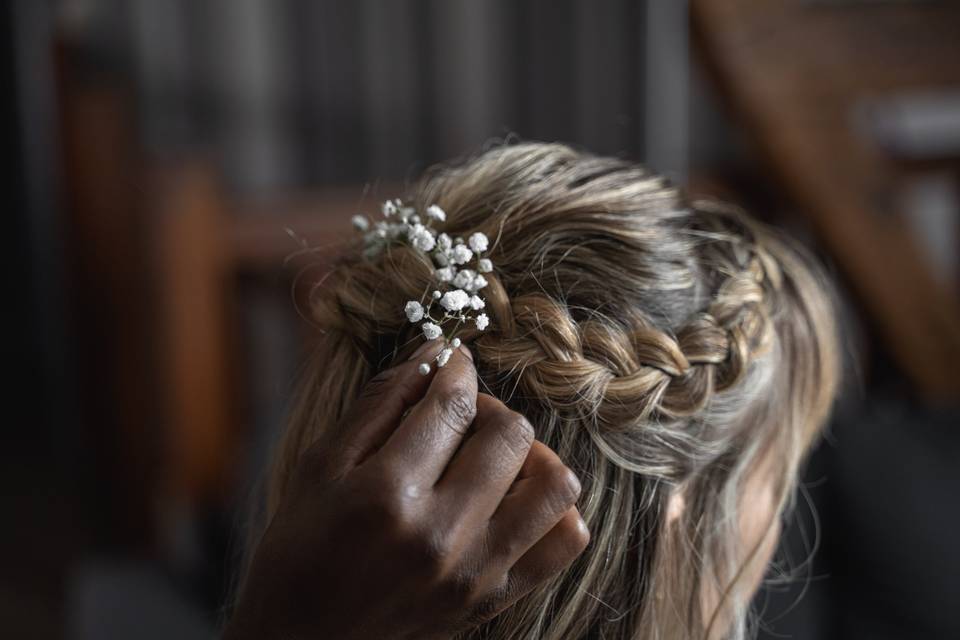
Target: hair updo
{"points": [[653, 342]]}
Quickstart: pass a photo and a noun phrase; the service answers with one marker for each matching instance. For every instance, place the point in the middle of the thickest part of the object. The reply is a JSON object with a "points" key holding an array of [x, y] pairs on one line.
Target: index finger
{"points": [[426, 440], [379, 408]]}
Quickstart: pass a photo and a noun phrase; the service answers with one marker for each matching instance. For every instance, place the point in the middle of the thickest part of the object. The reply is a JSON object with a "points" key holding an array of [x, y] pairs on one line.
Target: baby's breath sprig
{"points": [[458, 269]]}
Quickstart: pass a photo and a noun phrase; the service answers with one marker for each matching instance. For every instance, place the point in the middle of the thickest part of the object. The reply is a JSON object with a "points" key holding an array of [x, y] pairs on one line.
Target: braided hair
{"points": [[655, 343]]}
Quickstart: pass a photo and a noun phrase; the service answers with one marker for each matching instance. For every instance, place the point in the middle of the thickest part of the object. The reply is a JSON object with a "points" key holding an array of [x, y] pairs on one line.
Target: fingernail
{"points": [[466, 351], [424, 348]]}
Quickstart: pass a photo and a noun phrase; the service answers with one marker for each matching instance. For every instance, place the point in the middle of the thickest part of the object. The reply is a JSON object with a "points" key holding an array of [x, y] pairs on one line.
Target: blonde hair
{"points": [[654, 343]]}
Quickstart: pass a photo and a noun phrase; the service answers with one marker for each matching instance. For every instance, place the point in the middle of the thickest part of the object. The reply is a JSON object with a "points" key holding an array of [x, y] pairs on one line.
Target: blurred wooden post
{"points": [[195, 281]]}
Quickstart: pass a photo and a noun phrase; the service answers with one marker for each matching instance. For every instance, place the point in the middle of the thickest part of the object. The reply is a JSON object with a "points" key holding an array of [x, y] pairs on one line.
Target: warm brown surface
{"points": [[262, 235], [194, 287], [203, 241], [792, 72]]}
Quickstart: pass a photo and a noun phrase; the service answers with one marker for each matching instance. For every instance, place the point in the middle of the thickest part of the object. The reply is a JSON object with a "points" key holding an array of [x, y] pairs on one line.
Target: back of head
{"points": [[659, 346]]}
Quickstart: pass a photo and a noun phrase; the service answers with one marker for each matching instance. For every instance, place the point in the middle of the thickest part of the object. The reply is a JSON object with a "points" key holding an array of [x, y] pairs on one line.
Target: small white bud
{"points": [[424, 368], [421, 237], [436, 295], [484, 265], [446, 274], [414, 311], [388, 208], [463, 278], [479, 242], [478, 283], [414, 219], [444, 357], [360, 223], [454, 300], [455, 343], [436, 213], [461, 254], [444, 243], [431, 331], [482, 321]]}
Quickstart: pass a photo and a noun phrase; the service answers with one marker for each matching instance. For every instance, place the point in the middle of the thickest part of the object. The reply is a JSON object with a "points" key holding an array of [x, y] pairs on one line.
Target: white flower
{"points": [[436, 213], [482, 321], [476, 303], [414, 219], [436, 295], [455, 343], [424, 368], [454, 300], [360, 223], [388, 208], [380, 229], [444, 243], [461, 254], [484, 265], [431, 331], [464, 278], [414, 311], [444, 357], [479, 242], [478, 283], [421, 237], [445, 274]]}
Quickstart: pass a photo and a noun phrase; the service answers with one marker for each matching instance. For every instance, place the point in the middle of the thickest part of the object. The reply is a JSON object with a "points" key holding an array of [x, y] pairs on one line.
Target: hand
{"points": [[416, 524]]}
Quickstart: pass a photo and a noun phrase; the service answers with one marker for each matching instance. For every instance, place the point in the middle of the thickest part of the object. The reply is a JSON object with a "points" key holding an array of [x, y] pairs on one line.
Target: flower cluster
{"points": [[458, 269]]}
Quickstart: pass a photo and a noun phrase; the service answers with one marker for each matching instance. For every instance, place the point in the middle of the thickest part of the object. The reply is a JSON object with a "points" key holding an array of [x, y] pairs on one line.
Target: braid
{"points": [[628, 325], [626, 376]]}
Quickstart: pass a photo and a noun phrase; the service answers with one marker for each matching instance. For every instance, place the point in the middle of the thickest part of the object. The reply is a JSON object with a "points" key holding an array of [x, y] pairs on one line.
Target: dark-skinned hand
{"points": [[427, 511]]}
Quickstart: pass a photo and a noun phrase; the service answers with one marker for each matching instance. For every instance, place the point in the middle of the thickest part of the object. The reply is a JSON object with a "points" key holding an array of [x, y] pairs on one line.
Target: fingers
{"points": [[550, 555], [487, 463], [544, 491], [379, 408], [433, 429], [553, 553]]}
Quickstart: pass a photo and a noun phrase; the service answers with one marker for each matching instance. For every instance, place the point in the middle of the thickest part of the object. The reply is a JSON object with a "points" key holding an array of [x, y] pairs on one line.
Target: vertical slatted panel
{"points": [[302, 94]]}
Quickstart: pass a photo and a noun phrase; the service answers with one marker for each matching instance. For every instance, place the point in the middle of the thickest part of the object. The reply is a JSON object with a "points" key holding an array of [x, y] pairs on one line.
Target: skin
{"points": [[759, 529], [759, 524], [427, 511]]}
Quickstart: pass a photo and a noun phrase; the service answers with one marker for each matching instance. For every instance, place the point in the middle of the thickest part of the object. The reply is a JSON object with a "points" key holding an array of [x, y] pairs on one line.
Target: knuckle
{"points": [[517, 433], [505, 547], [378, 384], [457, 403], [389, 512], [461, 587], [522, 427], [435, 552], [492, 603], [562, 486]]}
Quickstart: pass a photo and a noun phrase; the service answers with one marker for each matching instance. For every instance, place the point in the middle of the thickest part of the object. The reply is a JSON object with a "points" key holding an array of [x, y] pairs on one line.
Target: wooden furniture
{"points": [[793, 73], [204, 240]]}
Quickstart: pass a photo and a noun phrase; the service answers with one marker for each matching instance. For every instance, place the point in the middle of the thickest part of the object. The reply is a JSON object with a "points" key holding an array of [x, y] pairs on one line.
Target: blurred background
{"points": [[171, 159]]}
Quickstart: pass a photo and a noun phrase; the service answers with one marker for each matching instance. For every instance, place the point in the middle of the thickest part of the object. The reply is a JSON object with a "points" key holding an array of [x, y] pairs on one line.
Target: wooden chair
{"points": [[793, 74]]}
